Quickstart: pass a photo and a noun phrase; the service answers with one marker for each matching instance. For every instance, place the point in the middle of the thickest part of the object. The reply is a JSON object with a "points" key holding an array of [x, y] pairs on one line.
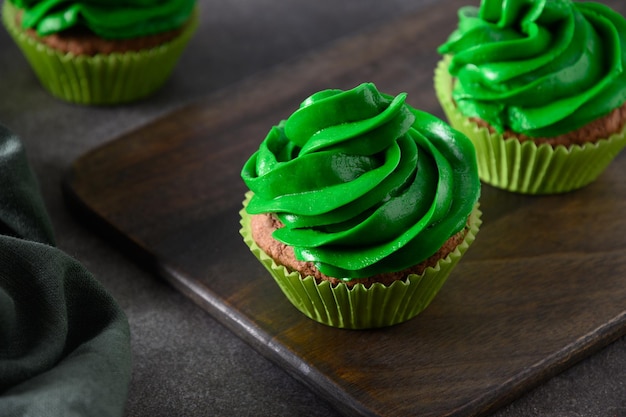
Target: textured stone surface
{"points": [[185, 363]]}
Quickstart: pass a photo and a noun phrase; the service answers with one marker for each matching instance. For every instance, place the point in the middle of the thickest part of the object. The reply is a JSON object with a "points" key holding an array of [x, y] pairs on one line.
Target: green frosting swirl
{"points": [[364, 183], [109, 19], [538, 67]]}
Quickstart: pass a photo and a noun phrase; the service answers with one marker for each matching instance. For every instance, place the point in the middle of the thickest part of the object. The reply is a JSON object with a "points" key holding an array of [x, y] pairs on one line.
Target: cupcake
{"points": [[540, 89], [89, 53], [360, 206]]}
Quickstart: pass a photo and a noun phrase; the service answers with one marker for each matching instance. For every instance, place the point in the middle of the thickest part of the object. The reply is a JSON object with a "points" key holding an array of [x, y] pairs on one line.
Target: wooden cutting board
{"points": [[543, 286]]}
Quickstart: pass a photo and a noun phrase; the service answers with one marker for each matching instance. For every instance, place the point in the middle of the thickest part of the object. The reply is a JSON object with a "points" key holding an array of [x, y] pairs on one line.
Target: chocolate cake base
{"points": [[598, 129], [263, 225], [81, 41]]}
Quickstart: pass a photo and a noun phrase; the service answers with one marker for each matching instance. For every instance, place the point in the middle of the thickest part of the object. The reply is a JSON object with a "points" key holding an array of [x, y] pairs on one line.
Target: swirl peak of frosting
{"points": [[363, 182], [538, 67], [109, 19]]}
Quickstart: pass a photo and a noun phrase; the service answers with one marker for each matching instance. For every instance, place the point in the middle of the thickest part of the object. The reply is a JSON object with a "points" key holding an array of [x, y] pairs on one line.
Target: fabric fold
{"points": [[64, 341]]}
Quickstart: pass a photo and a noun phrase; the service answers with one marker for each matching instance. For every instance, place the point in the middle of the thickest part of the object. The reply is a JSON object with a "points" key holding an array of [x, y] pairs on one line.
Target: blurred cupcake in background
{"points": [[101, 52], [539, 87]]}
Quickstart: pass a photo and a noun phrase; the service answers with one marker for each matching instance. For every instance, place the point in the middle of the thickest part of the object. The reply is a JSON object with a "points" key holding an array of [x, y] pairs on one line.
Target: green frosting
{"points": [[538, 67], [109, 19], [364, 183]]}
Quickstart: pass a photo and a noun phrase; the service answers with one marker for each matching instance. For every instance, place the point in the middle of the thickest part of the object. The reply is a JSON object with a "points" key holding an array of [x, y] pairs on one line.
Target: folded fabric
{"points": [[64, 341]]}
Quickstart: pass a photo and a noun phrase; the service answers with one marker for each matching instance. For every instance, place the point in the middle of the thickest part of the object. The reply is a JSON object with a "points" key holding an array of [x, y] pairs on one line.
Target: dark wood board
{"points": [[543, 286]]}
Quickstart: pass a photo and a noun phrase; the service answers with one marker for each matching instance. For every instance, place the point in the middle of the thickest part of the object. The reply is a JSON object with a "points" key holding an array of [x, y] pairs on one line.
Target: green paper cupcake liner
{"points": [[525, 167], [100, 79], [360, 307]]}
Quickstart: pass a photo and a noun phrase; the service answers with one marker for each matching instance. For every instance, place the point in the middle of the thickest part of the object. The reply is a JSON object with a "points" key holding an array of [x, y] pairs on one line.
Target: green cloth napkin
{"points": [[64, 342]]}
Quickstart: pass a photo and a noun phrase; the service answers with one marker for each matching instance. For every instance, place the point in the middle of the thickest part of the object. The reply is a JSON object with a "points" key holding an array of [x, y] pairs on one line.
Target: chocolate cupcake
{"points": [[539, 87], [89, 53], [360, 206]]}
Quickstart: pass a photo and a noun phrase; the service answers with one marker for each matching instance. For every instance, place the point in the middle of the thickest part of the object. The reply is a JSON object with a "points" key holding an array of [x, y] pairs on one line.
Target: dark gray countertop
{"points": [[185, 363]]}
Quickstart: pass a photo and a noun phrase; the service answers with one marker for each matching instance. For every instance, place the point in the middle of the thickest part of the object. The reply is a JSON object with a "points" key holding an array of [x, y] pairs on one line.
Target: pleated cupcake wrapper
{"points": [[526, 167], [360, 307], [100, 79]]}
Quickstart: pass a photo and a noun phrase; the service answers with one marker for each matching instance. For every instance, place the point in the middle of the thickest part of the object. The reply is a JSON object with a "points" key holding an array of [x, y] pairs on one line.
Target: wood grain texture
{"points": [[543, 286]]}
